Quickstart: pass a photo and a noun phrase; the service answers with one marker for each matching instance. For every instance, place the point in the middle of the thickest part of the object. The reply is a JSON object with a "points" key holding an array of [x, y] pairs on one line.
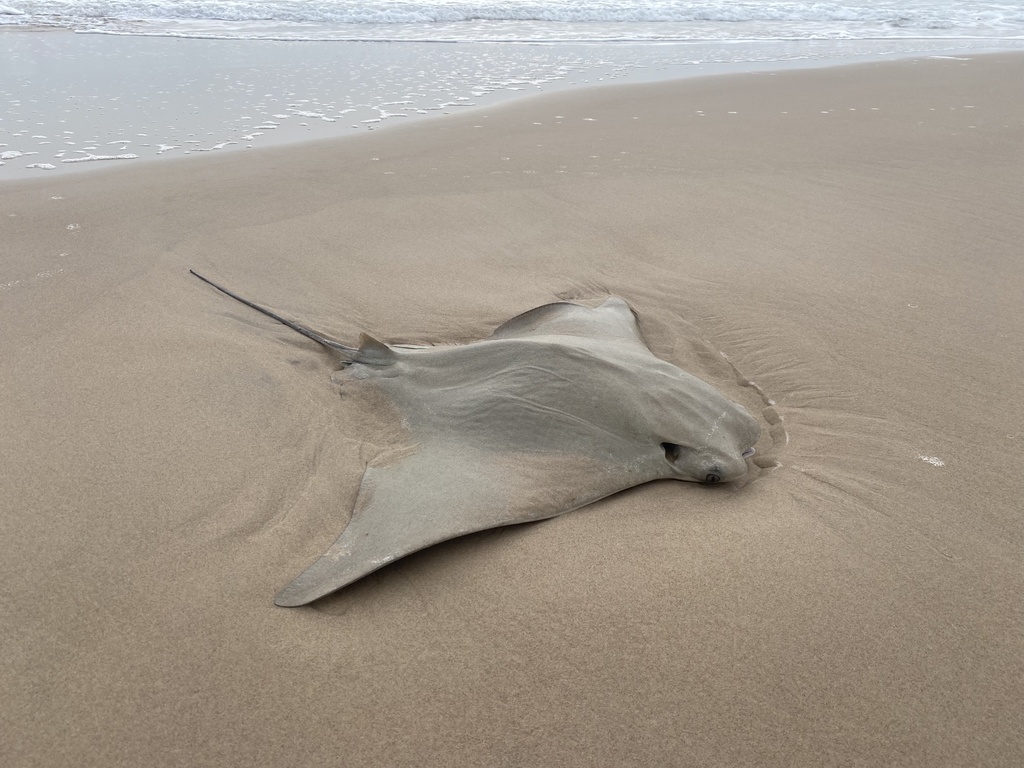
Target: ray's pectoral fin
{"points": [[408, 502], [612, 320]]}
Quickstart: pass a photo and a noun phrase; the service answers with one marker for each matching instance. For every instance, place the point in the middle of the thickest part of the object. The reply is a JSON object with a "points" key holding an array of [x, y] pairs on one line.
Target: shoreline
{"points": [[122, 123]]}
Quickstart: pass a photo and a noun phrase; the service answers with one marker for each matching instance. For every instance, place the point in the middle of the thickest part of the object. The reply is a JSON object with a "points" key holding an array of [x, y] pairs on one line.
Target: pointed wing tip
{"points": [[323, 577], [284, 600], [616, 301], [303, 589], [295, 594]]}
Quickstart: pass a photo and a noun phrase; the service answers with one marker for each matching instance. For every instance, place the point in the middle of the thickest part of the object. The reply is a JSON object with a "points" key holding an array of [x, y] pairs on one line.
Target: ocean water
{"points": [[129, 80], [528, 20]]}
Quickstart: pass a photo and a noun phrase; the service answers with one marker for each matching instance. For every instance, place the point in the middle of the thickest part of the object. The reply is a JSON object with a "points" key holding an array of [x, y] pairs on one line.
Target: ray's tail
{"points": [[349, 353]]}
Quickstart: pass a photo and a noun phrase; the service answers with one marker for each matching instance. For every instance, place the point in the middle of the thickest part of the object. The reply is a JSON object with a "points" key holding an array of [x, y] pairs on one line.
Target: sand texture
{"points": [[848, 239]]}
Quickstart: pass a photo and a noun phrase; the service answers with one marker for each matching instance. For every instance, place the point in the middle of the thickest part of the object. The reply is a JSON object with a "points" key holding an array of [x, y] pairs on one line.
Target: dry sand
{"points": [[850, 238]]}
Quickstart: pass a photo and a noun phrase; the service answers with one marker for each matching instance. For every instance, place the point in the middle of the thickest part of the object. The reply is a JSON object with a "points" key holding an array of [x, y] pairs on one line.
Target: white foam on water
{"points": [[525, 20], [90, 158]]}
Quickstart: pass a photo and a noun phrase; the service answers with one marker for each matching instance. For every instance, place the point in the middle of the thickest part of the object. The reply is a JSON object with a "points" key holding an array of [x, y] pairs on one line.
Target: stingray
{"points": [[559, 407]]}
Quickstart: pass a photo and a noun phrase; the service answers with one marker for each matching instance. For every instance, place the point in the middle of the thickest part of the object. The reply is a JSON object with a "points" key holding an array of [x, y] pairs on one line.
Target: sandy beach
{"points": [[849, 239]]}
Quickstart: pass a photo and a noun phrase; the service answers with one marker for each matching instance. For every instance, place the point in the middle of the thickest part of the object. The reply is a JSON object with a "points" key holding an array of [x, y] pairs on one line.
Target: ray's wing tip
{"points": [[319, 580], [290, 597], [300, 591]]}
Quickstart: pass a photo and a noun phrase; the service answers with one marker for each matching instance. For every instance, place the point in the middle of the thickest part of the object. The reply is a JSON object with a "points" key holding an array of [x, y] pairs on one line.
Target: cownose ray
{"points": [[559, 407]]}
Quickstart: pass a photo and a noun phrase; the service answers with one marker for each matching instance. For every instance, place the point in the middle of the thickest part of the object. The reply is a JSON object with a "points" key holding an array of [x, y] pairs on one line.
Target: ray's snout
{"points": [[724, 472], [716, 473], [706, 466]]}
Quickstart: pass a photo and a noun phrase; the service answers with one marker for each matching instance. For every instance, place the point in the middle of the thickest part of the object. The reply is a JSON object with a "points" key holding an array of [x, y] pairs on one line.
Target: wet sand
{"points": [[849, 239]]}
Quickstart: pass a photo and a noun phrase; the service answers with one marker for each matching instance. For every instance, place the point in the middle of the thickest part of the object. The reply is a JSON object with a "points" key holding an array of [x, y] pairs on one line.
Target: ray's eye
{"points": [[671, 450]]}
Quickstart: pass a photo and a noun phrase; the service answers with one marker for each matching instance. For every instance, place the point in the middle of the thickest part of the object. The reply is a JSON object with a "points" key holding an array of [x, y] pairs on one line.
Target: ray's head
{"points": [[707, 438], [706, 466]]}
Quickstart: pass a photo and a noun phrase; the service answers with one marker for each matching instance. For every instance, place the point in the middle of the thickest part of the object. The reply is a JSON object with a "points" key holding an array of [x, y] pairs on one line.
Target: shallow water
{"points": [[73, 102]]}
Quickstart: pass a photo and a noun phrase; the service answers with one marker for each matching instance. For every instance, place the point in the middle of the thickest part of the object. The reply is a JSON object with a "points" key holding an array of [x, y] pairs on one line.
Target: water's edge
{"points": [[76, 102]]}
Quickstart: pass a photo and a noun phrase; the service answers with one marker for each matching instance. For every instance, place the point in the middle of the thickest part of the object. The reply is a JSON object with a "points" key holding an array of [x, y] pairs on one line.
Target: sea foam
{"points": [[525, 20]]}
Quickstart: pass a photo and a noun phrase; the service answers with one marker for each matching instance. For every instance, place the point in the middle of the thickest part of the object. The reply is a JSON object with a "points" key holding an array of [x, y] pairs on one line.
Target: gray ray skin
{"points": [[559, 407]]}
